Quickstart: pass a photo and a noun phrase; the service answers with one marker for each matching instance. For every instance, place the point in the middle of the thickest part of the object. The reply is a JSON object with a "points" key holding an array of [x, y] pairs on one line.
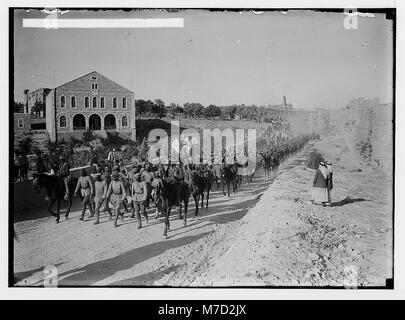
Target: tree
{"points": [[38, 108], [159, 108], [193, 110], [18, 107], [212, 111], [24, 145], [140, 107]]}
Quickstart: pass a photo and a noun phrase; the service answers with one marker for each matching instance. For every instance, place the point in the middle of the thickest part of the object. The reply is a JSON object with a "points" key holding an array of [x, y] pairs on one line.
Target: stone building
{"points": [[35, 101], [91, 102]]}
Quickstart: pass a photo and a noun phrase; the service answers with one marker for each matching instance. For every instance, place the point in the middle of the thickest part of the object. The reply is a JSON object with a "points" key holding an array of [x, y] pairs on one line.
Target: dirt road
{"points": [[85, 254], [265, 234]]}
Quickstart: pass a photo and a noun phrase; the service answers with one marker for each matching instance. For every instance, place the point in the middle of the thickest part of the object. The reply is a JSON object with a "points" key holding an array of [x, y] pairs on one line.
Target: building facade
{"points": [[35, 101], [91, 102]]}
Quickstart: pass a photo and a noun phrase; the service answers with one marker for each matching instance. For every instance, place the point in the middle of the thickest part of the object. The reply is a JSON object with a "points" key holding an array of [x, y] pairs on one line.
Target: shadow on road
{"points": [[347, 200], [97, 271]]}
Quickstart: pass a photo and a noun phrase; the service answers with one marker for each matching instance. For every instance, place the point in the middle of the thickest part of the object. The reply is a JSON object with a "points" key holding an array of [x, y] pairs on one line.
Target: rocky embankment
{"points": [[286, 241]]}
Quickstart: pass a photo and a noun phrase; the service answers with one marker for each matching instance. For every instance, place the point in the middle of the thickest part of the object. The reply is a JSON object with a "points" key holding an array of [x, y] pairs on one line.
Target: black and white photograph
{"points": [[202, 147]]}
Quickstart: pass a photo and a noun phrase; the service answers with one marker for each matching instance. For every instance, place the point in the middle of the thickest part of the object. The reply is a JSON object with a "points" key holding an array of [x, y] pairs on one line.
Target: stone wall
{"points": [[367, 126]]}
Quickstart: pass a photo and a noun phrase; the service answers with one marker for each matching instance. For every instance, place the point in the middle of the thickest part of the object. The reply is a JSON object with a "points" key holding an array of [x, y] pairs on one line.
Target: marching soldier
{"points": [[100, 194], [147, 177], [85, 186], [139, 195], [116, 194]]}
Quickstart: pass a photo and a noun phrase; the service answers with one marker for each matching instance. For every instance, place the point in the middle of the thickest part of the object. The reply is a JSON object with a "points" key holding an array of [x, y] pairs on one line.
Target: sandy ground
{"points": [[266, 234]]}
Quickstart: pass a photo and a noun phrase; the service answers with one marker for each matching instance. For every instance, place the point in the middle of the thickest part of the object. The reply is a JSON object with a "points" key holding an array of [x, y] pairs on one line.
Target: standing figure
{"points": [[329, 182], [85, 186], [17, 166], [116, 194], [107, 176], [94, 160], [111, 158], [40, 165], [320, 190], [24, 166], [100, 194], [139, 195]]}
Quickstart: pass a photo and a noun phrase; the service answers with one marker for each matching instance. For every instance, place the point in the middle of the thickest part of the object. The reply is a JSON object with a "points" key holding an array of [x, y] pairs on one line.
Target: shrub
{"points": [[88, 136], [24, 145]]}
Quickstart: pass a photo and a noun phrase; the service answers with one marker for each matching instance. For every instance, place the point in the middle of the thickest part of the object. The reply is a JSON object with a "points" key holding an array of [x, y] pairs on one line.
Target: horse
{"points": [[207, 177], [267, 165], [177, 193], [196, 188], [228, 177], [55, 190]]}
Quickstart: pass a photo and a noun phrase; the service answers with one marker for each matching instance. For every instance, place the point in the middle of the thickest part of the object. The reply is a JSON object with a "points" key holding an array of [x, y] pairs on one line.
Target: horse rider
{"points": [[85, 186], [147, 177], [64, 175], [139, 195], [116, 194]]}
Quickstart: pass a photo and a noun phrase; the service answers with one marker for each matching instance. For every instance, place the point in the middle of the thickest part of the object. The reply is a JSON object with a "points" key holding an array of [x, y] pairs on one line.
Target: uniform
{"points": [[139, 196], [100, 194], [116, 194], [85, 186]]}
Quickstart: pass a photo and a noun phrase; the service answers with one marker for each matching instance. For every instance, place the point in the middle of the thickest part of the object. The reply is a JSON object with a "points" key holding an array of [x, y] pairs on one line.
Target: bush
{"points": [[24, 145], [88, 136], [113, 140]]}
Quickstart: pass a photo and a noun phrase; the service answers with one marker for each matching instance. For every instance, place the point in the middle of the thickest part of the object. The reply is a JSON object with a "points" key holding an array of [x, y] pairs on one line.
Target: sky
{"points": [[219, 58]]}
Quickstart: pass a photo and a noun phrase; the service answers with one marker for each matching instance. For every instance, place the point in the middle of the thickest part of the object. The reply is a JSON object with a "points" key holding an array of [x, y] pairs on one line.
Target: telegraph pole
{"points": [[54, 108]]}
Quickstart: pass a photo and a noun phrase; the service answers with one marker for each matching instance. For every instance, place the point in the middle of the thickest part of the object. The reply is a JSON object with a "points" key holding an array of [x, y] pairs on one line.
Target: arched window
{"points": [[86, 102], [124, 103], [62, 102], [62, 122], [94, 102], [102, 102], [114, 103], [73, 102], [124, 121], [21, 123]]}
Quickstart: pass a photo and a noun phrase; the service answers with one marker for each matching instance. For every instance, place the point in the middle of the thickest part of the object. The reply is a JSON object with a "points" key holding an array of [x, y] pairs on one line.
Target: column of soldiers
{"points": [[132, 189]]}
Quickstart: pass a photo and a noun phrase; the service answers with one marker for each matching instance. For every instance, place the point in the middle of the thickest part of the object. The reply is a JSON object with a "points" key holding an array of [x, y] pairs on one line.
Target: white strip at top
{"points": [[55, 23]]}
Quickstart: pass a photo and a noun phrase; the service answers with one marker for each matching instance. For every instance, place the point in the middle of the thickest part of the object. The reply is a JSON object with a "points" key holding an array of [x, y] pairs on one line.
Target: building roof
{"points": [[87, 74]]}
